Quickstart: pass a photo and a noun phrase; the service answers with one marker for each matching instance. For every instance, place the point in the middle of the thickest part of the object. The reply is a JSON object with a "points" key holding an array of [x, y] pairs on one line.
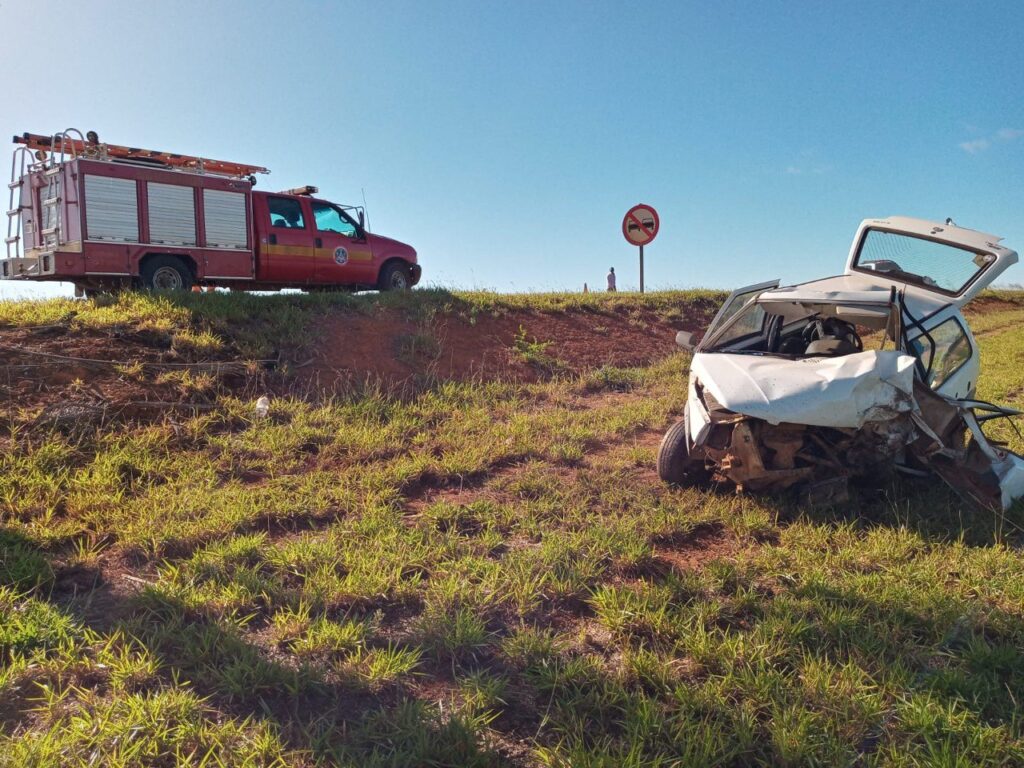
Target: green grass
{"points": [[482, 573], [534, 352]]}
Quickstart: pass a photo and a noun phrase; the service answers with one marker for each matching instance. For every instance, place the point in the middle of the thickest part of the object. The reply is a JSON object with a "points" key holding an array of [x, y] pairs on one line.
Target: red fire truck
{"points": [[108, 217]]}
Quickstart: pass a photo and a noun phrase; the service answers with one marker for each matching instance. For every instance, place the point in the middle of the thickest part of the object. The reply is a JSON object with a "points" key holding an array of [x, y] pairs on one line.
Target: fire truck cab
{"points": [[105, 216]]}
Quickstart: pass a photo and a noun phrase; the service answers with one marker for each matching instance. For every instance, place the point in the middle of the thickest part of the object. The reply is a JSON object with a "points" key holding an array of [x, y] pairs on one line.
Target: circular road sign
{"points": [[640, 225]]}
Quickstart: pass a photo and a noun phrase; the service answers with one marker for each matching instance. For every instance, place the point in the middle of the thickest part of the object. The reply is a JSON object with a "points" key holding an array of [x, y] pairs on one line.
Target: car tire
{"points": [[394, 277], [675, 466], [166, 273]]}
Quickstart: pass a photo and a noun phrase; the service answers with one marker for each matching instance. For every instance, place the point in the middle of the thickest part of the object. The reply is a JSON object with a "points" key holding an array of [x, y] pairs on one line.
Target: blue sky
{"points": [[506, 141]]}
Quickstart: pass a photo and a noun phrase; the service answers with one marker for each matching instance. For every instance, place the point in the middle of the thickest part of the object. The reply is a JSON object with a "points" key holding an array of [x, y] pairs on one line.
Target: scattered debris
{"points": [[263, 407]]}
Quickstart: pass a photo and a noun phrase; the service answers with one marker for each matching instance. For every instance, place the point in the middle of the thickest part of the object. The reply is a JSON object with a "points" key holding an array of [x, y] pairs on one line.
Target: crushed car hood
{"points": [[844, 392]]}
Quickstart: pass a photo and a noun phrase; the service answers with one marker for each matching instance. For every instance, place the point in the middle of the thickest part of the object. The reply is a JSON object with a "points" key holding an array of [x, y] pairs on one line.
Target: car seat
{"points": [[831, 346]]}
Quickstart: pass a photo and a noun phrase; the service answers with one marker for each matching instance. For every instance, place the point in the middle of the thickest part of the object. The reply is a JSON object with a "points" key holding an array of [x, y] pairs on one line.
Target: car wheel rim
{"points": [[399, 281], [167, 279]]}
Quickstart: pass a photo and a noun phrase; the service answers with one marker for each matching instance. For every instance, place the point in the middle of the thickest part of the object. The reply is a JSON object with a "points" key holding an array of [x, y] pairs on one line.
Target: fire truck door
{"points": [[343, 251], [290, 255]]}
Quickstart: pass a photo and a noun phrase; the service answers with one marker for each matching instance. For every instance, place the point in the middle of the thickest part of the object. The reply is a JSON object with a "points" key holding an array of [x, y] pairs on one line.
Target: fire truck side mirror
{"points": [[362, 219]]}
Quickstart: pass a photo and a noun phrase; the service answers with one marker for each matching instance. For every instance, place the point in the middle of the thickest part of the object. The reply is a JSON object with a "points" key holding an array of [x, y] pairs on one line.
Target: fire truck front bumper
{"points": [[415, 273]]}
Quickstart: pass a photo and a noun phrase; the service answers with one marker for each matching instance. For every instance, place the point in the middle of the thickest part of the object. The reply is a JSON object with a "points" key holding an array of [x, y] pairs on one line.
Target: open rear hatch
{"points": [[944, 260]]}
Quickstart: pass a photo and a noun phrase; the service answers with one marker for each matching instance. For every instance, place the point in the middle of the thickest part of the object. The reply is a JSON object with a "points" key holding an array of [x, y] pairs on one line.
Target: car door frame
{"points": [[962, 382]]}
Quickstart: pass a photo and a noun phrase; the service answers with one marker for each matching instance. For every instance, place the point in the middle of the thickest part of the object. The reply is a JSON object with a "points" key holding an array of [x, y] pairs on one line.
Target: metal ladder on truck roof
{"points": [[93, 148]]}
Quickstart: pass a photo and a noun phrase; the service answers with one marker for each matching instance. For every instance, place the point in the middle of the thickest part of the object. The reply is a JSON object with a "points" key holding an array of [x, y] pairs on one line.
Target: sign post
{"points": [[639, 227]]}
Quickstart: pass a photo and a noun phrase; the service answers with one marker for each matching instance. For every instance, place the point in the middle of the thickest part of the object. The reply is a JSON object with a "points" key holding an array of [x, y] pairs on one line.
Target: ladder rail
{"points": [[65, 141], [14, 188], [55, 187], [50, 207]]}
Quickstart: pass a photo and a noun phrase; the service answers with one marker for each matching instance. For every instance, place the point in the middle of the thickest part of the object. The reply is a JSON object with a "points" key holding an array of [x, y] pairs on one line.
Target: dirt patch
{"points": [[387, 347], [73, 378], [65, 377], [987, 304], [101, 593], [689, 551]]}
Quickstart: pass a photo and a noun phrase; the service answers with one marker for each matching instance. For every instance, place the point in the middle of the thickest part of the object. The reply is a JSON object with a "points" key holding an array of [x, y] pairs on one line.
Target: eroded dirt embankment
{"points": [[514, 345], [63, 374]]}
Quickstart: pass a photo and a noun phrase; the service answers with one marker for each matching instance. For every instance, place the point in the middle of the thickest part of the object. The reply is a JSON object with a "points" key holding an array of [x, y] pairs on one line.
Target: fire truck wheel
{"points": [[166, 273], [394, 277]]}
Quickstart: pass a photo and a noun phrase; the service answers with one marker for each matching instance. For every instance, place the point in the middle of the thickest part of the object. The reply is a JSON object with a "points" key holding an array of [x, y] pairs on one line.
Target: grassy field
{"points": [[480, 574]]}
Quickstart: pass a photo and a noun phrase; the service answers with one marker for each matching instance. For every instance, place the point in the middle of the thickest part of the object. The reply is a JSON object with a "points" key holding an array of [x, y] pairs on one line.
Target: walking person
{"points": [[611, 279]]}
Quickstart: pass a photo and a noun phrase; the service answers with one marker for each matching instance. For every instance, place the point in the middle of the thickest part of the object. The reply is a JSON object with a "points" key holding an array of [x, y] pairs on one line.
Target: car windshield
{"points": [[745, 323], [825, 330], [937, 266]]}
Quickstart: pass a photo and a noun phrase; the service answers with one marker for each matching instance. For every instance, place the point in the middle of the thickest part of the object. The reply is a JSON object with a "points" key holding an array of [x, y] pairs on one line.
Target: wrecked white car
{"points": [[852, 376]]}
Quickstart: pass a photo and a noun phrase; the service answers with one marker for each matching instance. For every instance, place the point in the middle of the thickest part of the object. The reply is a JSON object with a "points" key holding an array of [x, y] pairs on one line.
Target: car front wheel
{"points": [[675, 465]]}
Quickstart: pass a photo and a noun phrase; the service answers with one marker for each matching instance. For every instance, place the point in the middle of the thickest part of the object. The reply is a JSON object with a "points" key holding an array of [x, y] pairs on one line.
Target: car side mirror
{"points": [[362, 220], [684, 339]]}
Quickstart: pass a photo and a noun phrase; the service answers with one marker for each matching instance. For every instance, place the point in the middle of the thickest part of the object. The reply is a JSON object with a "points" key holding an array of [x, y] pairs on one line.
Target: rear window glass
{"points": [[285, 212], [937, 266]]}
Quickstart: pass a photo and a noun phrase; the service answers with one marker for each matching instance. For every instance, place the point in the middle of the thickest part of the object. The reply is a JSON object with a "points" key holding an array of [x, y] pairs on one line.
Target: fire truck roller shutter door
{"points": [[172, 214], [111, 209], [225, 217]]}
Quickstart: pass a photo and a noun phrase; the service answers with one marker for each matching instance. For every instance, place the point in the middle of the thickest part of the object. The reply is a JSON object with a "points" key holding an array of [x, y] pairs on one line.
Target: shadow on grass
{"points": [[334, 716], [23, 567], [925, 506], [328, 712], [935, 645]]}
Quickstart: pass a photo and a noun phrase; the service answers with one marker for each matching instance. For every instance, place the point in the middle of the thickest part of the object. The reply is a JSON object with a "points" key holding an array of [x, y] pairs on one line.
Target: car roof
{"points": [[854, 289]]}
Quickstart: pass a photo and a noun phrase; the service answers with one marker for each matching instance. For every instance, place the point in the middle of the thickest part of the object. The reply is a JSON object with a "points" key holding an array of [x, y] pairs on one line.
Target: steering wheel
{"points": [[813, 331]]}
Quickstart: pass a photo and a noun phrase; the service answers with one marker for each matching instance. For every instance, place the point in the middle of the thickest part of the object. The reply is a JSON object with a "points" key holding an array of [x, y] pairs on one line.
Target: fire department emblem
{"points": [[340, 256]]}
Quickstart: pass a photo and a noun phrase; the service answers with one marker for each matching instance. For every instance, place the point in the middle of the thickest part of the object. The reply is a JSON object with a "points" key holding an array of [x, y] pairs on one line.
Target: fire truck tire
{"points": [[166, 273], [675, 466], [394, 277]]}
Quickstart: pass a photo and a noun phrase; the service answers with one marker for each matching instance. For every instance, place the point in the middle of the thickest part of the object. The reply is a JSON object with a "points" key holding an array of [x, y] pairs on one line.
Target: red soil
{"points": [[60, 376], [382, 346]]}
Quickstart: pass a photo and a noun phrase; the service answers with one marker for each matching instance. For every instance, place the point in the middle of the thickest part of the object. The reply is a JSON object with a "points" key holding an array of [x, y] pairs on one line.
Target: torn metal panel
{"points": [[744, 461], [953, 444]]}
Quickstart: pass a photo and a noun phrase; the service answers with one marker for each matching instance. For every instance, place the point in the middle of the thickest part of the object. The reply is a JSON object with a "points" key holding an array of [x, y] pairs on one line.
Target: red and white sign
{"points": [[640, 225]]}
